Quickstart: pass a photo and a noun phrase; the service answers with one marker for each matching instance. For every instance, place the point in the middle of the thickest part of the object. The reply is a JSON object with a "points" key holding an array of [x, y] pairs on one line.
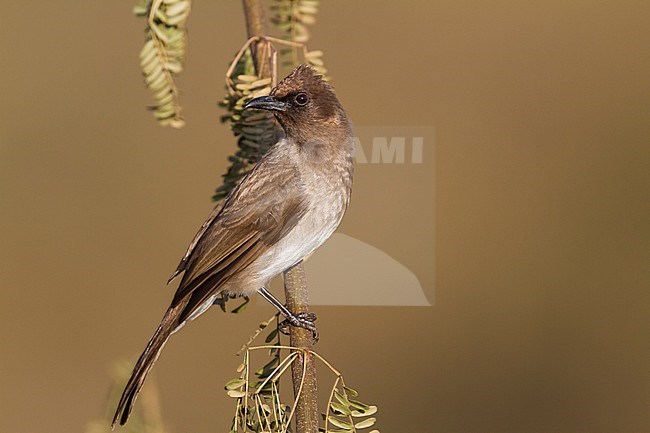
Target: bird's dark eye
{"points": [[301, 98]]}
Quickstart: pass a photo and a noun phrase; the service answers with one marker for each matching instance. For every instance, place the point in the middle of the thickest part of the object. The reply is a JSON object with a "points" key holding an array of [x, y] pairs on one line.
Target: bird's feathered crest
{"points": [[302, 78]]}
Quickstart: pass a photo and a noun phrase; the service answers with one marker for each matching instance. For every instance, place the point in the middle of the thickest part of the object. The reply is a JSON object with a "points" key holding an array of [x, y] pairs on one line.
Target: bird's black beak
{"points": [[266, 103]]}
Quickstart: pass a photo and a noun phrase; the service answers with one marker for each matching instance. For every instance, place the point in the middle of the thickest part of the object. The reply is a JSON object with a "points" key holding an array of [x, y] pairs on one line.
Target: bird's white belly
{"points": [[310, 233]]}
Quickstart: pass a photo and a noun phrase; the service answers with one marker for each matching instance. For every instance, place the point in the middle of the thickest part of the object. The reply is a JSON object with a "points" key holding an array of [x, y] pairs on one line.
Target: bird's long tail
{"points": [[168, 325]]}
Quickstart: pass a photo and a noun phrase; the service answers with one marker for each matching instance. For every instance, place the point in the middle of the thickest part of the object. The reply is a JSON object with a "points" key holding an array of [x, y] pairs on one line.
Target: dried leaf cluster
{"points": [[292, 18], [347, 414], [255, 129], [163, 54], [260, 407]]}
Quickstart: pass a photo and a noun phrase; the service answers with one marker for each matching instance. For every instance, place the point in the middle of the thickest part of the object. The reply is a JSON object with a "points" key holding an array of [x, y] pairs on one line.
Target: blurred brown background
{"points": [[540, 320]]}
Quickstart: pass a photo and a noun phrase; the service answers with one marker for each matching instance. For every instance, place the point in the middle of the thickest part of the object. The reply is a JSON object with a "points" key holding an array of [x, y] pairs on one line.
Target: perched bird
{"points": [[281, 211]]}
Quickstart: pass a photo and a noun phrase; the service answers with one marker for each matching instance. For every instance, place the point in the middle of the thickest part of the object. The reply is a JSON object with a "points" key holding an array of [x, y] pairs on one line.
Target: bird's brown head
{"points": [[304, 104]]}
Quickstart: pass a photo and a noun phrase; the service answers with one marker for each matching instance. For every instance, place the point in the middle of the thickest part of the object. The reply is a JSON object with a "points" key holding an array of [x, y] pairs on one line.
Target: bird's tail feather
{"points": [[168, 325]]}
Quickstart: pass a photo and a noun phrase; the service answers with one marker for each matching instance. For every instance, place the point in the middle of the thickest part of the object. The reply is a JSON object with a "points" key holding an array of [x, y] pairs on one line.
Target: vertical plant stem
{"points": [[295, 282], [256, 26], [295, 289]]}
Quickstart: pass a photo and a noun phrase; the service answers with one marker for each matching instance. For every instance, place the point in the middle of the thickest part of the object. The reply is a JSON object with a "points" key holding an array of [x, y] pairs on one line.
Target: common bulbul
{"points": [[284, 208]]}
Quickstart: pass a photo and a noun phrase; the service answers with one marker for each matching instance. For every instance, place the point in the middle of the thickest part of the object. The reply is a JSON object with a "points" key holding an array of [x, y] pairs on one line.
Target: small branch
{"points": [[295, 288], [254, 14], [303, 371], [256, 26]]}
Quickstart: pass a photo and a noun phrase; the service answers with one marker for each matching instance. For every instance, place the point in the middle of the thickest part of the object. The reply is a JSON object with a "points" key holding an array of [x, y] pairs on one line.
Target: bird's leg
{"points": [[303, 320]]}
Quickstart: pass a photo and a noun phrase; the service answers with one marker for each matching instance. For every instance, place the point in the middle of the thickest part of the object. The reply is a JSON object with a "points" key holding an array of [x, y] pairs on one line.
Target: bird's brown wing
{"points": [[190, 248], [263, 208]]}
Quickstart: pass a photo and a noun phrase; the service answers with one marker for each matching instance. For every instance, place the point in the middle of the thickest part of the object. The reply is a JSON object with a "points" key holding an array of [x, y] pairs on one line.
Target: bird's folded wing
{"points": [[263, 208], [183, 264]]}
